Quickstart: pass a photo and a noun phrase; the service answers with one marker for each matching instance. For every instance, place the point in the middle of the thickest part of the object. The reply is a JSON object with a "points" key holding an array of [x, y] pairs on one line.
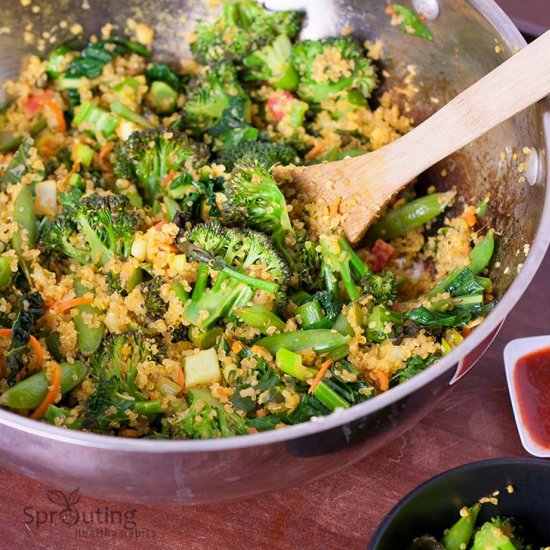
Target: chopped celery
{"points": [[291, 363], [202, 368], [83, 154], [90, 116]]}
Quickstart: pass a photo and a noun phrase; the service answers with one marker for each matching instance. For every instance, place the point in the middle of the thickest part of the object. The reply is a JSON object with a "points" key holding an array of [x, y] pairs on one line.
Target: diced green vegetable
{"points": [[202, 368]]}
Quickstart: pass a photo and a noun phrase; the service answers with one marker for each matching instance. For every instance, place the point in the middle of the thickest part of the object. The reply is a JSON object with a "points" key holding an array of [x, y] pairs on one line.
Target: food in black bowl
{"points": [[512, 493]]}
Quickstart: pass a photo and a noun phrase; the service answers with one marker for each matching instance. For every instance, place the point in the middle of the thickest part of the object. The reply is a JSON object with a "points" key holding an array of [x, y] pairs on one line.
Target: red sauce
{"points": [[532, 381]]}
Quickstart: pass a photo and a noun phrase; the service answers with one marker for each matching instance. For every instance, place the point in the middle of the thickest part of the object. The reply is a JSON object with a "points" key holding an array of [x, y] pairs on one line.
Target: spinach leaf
{"points": [[161, 72], [96, 55], [31, 308], [457, 317], [18, 165], [413, 366]]}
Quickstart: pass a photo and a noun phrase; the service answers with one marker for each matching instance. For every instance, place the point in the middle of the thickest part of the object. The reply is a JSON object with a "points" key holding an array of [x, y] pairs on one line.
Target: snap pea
{"points": [[483, 251], [6, 274], [413, 215], [459, 535], [319, 340], [24, 217], [309, 313], [29, 393], [53, 343], [88, 338], [59, 416], [260, 317]]}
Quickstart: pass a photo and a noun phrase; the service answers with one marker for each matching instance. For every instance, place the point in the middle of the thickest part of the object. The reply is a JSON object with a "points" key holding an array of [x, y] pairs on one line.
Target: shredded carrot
{"points": [[104, 151], [383, 379], [102, 159], [129, 432], [48, 146], [53, 391], [334, 208], [180, 381], [168, 178], [466, 331], [236, 346], [320, 374], [69, 304], [35, 345], [319, 147], [469, 217], [54, 107], [260, 413]]}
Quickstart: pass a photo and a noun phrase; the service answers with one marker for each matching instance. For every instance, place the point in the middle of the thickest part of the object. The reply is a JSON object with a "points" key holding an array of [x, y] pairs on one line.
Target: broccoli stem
{"points": [[118, 108], [254, 282], [99, 253], [200, 282]]}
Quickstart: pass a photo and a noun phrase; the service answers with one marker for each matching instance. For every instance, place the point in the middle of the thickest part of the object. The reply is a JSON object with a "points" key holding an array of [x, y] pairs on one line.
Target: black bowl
{"points": [[434, 506]]}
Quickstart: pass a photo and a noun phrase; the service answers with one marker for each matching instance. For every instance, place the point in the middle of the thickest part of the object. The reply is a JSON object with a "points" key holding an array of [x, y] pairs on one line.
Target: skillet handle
{"points": [[470, 359]]}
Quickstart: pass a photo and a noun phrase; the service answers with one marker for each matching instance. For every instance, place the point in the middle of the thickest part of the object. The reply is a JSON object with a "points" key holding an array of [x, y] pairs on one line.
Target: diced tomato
{"points": [[278, 105], [35, 102], [382, 252]]}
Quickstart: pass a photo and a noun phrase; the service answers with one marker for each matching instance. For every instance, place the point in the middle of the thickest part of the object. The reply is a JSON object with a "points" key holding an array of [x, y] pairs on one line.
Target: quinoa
{"points": [[169, 284]]}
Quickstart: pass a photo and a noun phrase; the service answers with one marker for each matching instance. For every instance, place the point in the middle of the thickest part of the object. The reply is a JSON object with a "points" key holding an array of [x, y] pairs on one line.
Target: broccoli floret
{"points": [[265, 153], [155, 306], [206, 417], [96, 229], [240, 249], [303, 260], [273, 63], [229, 255], [382, 286], [332, 66], [494, 534], [114, 374], [148, 156], [242, 28], [341, 264], [254, 198], [510, 529], [210, 95]]}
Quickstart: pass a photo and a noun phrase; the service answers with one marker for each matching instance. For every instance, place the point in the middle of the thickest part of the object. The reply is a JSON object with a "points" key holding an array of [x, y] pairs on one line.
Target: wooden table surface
{"points": [[342, 511]]}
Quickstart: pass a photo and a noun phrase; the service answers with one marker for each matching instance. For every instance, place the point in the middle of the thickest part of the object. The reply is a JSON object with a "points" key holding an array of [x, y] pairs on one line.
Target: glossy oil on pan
{"points": [[465, 35]]}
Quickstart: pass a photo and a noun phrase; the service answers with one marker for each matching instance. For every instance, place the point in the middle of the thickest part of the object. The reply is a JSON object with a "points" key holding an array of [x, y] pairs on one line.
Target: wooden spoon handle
{"points": [[517, 83]]}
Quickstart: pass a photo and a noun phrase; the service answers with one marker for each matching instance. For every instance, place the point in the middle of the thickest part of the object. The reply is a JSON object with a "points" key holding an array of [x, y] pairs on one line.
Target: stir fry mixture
{"points": [[499, 533], [159, 275]]}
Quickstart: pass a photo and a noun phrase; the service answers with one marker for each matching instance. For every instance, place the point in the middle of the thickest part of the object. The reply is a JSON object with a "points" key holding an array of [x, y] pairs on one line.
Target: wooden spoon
{"points": [[364, 184]]}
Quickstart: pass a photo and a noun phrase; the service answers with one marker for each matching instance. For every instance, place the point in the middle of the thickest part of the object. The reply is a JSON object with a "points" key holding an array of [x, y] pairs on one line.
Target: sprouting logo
{"points": [[68, 514]]}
